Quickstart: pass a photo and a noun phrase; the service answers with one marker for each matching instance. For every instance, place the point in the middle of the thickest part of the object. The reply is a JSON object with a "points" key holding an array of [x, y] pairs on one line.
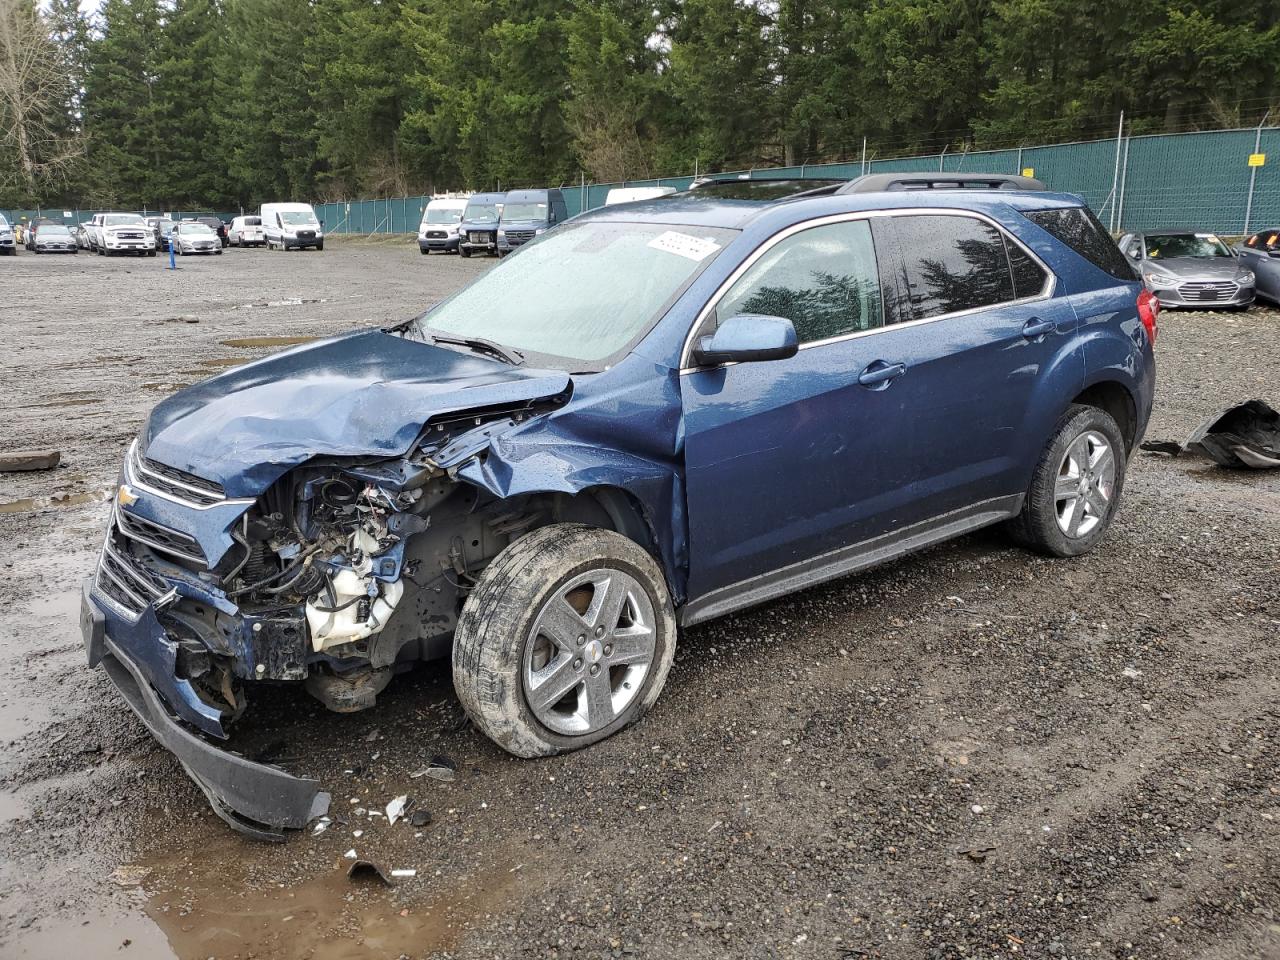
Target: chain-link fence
{"points": [[1201, 180]]}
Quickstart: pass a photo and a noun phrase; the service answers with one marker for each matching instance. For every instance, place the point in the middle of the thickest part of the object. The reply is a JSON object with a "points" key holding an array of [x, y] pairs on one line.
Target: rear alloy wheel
{"points": [[1076, 486], [566, 639]]}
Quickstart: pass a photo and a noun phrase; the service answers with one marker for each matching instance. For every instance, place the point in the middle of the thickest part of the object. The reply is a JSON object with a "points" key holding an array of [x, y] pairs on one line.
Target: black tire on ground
{"points": [[320, 245], [493, 631], [423, 250], [465, 253], [1036, 526], [151, 253]]}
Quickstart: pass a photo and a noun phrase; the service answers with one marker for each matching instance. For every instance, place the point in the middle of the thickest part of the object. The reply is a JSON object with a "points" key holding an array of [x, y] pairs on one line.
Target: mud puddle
{"points": [[248, 342], [216, 905], [55, 501]]}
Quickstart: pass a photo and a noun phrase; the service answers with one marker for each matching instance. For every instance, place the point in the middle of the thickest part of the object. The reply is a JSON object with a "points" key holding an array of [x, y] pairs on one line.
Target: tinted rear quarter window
{"points": [[953, 263], [1080, 230]]}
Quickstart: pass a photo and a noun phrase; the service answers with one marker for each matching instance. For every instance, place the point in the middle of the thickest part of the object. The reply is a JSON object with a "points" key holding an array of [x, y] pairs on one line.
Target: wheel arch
{"points": [[1116, 399]]}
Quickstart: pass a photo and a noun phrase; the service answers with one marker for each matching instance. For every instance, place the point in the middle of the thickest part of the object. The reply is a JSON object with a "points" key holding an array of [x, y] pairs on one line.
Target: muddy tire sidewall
{"points": [[493, 630]]}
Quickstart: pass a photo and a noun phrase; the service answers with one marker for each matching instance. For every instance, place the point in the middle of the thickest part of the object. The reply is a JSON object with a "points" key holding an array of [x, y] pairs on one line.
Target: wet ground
{"points": [[972, 752]]}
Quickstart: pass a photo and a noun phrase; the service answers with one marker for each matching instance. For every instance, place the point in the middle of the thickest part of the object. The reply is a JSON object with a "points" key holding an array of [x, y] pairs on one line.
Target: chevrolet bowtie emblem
{"points": [[126, 497]]}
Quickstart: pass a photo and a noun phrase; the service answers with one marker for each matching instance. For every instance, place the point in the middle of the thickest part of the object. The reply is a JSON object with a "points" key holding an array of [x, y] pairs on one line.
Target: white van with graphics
{"points": [[291, 226]]}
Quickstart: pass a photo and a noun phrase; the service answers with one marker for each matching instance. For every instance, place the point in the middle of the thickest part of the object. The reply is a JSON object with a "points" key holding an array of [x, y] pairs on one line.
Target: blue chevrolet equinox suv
{"points": [[654, 414]]}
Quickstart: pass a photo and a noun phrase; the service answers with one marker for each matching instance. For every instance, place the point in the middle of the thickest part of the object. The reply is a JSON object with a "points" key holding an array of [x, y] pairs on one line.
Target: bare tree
{"points": [[34, 91]]}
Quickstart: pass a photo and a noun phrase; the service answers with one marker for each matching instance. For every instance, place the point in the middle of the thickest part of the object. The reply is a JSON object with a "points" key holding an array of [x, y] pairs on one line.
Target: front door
{"points": [[903, 403]]}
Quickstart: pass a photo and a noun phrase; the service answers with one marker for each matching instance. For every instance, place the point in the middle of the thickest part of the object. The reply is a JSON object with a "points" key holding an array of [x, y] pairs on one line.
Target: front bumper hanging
{"points": [[258, 800]]}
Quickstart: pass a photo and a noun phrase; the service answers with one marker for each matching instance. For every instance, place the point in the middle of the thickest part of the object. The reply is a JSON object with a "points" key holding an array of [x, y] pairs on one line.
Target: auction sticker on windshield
{"points": [[683, 245]]}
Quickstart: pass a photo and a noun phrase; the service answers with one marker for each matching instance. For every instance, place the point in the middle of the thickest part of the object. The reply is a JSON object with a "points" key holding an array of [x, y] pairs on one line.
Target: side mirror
{"points": [[747, 338]]}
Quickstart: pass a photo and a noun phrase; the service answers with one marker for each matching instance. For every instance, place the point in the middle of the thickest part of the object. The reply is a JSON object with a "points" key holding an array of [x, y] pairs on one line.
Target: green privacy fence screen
{"points": [[1197, 180], [1200, 180], [72, 215]]}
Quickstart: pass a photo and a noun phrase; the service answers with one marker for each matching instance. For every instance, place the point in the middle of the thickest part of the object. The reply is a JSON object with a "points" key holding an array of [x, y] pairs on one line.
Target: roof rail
{"points": [[879, 182]]}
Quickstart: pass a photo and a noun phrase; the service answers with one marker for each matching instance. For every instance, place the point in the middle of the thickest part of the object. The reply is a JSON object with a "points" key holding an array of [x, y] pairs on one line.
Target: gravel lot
{"points": [[973, 752]]}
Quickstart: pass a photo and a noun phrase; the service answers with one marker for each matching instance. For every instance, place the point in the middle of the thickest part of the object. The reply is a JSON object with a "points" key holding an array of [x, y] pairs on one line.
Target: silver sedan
{"points": [[191, 236], [1190, 268]]}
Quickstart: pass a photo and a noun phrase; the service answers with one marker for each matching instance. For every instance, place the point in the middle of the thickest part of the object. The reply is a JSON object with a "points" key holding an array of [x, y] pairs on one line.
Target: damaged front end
{"points": [[338, 574]]}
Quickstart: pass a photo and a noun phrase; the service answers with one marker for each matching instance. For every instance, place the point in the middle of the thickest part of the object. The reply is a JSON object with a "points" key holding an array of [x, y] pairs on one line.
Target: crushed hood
{"points": [[362, 394]]}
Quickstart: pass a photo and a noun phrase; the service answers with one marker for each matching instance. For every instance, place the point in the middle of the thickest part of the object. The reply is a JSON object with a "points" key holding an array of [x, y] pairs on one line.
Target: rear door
{"points": [[981, 332]]}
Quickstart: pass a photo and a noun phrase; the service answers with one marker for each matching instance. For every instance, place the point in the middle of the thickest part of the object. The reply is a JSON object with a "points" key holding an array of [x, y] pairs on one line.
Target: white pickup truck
{"points": [[112, 233]]}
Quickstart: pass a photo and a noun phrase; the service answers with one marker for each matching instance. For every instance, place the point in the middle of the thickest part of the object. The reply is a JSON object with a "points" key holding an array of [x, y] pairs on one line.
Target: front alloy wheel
{"points": [[566, 639], [588, 652]]}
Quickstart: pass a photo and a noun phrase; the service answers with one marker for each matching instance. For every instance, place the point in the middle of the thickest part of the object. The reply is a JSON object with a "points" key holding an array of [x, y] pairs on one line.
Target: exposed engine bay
{"points": [[343, 572]]}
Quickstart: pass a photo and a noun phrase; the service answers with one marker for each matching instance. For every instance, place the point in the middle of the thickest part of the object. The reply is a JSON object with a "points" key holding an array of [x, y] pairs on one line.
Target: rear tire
{"points": [[539, 619], [1076, 487]]}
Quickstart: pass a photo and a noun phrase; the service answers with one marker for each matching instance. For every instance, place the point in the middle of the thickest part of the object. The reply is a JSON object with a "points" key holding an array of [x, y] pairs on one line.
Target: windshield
{"points": [[481, 212], [580, 293], [54, 230], [1199, 245], [195, 228], [252, 222], [442, 215], [524, 211], [3, 222], [166, 226], [297, 218], [123, 219]]}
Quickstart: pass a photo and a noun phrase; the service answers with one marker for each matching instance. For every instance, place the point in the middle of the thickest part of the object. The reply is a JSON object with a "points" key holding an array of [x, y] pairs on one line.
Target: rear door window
{"points": [[1080, 230], [953, 263], [823, 279]]}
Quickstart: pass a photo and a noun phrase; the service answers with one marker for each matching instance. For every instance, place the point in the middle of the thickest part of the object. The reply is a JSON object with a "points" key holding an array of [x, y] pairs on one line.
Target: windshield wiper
{"points": [[480, 345]]}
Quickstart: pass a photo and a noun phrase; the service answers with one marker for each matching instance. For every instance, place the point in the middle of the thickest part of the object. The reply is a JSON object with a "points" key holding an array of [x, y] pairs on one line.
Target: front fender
{"points": [[619, 432]]}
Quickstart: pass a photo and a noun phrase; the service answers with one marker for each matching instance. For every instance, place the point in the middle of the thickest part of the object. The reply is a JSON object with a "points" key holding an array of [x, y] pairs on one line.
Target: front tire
{"points": [[566, 639], [1076, 487]]}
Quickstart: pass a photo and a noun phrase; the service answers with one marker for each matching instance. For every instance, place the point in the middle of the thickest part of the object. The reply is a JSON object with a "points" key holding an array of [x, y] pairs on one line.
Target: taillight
{"points": [[1149, 314]]}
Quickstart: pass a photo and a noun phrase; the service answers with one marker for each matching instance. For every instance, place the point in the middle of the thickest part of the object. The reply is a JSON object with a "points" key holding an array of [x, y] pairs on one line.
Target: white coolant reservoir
{"points": [[331, 627]]}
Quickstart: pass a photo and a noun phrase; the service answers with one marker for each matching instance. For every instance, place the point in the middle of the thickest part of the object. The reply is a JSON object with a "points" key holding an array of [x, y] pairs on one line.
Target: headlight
{"points": [[1247, 277], [502, 233], [1163, 279], [539, 231]]}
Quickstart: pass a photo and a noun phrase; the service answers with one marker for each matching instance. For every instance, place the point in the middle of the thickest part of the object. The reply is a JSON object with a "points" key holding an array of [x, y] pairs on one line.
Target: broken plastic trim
{"points": [[1246, 435], [255, 799]]}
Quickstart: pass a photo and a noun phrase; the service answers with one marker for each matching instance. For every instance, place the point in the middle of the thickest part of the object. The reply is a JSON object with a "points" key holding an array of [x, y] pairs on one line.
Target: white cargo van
{"points": [[439, 227], [632, 194], [290, 226]]}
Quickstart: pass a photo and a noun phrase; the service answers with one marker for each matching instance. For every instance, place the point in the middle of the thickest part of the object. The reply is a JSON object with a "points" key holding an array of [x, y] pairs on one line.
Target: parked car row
{"points": [[492, 223], [1196, 268]]}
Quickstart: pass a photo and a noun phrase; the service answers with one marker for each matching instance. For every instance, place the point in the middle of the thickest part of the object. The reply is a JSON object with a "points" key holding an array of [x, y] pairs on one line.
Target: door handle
{"points": [[880, 374], [1035, 327]]}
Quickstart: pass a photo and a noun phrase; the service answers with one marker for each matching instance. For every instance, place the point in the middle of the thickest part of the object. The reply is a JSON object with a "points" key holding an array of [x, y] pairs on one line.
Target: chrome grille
{"points": [[477, 237], [1207, 291], [177, 484], [436, 234], [126, 581], [127, 235], [519, 236], [159, 537]]}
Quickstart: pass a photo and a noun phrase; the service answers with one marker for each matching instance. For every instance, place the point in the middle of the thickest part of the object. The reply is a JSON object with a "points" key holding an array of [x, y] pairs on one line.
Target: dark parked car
{"points": [[527, 214], [658, 413], [1189, 268], [163, 231], [478, 231], [1261, 254]]}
